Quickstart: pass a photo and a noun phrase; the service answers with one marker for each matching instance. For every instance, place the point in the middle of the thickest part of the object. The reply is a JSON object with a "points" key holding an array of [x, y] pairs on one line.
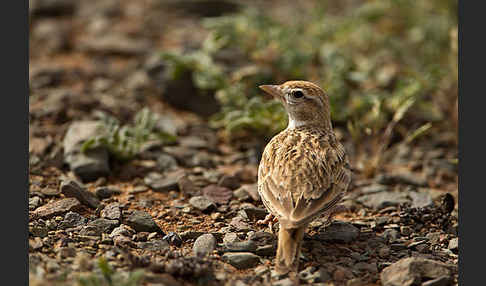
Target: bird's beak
{"points": [[273, 90]]}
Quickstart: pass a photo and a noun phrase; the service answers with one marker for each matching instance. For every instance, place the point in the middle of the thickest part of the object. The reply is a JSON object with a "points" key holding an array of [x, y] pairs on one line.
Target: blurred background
{"points": [[390, 67], [122, 88]]}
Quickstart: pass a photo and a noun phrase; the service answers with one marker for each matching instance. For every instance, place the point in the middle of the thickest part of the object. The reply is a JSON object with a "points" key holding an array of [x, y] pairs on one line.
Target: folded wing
{"points": [[299, 184]]}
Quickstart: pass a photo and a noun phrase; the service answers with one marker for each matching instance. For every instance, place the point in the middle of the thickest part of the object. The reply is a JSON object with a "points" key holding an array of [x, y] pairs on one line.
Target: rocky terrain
{"points": [[185, 212]]}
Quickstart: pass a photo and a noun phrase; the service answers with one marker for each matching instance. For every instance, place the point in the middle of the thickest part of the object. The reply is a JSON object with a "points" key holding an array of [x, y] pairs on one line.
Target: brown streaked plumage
{"points": [[304, 171]]}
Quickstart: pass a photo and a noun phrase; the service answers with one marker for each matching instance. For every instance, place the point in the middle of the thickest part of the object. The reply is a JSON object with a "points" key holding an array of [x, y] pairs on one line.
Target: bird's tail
{"points": [[288, 250]]}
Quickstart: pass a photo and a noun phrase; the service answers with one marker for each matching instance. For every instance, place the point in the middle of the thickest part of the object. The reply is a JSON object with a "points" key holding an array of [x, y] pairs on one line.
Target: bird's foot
{"points": [[270, 219], [267, 219]]}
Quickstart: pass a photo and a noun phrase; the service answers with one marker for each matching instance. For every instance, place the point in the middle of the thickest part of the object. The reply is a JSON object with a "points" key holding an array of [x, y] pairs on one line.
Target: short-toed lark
{"points": [[304, 171]]}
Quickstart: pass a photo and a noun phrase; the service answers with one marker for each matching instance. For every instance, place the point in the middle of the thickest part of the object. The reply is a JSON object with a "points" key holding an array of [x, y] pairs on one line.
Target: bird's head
{"points": [[306, 103]]}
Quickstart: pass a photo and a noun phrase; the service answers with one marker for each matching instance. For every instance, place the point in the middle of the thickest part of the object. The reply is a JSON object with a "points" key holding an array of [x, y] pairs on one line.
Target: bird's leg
{"points": [[270, 219], [270, 224]]}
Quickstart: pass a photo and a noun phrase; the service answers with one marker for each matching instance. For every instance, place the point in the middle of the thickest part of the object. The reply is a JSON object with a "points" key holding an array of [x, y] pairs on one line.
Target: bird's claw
{"points": [[270, 220]]}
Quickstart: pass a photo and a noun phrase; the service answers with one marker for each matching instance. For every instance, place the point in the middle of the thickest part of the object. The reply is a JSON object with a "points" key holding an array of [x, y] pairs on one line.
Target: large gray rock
{"points": [[413, 271], [230, 182], [166, 162], [421, 199], [106, 192], [93, 163], [374, 188], [220, 195], [72, 219], [339, 232], [240, 246], [204, 245], [253, 213], [71, 188], [164, 183], [266, 243], [202, 203], [99, 226], [142, 221], [247, 191], [241, 260], [382, 200], [111, 211], [122, 230], [240, 223]]}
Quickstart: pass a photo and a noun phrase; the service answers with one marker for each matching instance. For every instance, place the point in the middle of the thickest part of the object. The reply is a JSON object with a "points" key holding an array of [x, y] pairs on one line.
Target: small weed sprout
{"points": [[106, 276], [123, 142]]}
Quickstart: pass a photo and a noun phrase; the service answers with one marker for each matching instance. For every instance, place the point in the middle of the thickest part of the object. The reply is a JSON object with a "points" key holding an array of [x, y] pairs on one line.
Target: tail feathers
{"points": [[288, 250]]}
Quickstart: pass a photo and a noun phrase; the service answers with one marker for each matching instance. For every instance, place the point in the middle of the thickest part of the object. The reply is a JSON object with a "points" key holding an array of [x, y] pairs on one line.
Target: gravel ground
{"points": [[186, 213]]}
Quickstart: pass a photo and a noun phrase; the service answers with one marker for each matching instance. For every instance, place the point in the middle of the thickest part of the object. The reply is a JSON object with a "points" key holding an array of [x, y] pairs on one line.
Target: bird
{"points": [[304, 171]]}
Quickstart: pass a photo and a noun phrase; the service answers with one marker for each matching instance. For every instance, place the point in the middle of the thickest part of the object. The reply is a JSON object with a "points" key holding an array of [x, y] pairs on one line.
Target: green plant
{"points": [[123, 142], [265, 117], [205, 73], [108, 277]]}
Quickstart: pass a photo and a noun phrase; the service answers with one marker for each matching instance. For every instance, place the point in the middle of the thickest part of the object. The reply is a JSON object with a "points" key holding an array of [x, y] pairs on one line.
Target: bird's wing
{"points": [[300, 180]]}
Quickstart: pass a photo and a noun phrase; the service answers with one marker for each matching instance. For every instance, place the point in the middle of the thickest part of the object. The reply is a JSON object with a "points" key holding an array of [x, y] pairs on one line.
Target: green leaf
{"points": [[123, 142]]}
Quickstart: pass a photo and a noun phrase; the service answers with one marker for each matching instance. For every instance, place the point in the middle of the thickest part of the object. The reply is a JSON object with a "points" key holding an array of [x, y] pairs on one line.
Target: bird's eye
{"points": [[297, 93]]}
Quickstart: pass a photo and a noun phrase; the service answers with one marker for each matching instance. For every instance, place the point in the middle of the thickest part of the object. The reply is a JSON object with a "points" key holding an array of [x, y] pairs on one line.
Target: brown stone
{"points": [[217, 194], [71, 188], [57, 207], [412, 271]]}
